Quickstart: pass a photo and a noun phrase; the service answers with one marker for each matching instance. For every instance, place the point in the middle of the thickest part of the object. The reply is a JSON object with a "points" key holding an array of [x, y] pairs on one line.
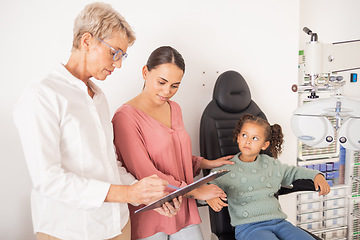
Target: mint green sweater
{"points": [[250, 187]]}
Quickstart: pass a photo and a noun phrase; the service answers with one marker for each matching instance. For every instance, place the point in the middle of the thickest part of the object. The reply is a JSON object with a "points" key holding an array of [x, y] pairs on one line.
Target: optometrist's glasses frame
{"points": [[119, 54]]}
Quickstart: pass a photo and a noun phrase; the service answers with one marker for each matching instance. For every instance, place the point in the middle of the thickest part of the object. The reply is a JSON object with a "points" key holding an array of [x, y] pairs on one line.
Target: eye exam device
{"points": [[310, 122]]}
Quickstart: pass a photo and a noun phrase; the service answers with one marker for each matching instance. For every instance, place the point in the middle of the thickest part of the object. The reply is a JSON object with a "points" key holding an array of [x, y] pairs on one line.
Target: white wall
{"points": [[258, 38]]}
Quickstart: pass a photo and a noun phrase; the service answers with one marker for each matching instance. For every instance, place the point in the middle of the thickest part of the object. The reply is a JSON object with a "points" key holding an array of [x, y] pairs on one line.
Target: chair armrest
{"points": [[298, 185]]}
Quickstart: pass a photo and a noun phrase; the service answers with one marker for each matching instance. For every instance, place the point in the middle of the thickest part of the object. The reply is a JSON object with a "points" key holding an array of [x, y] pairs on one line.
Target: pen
{"points": [[172, 186]]}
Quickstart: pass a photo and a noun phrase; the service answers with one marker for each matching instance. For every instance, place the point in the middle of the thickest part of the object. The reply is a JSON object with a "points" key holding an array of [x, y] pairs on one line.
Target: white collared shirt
{"points": [[67, 139]]}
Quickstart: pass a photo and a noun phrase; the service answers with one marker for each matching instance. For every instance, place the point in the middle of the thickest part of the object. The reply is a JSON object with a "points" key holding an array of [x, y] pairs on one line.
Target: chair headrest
{"points": [[231, 92]]}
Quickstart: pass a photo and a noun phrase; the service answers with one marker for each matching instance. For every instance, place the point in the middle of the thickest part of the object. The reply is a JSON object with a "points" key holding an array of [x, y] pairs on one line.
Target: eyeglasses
{"points": [[119, 54]]}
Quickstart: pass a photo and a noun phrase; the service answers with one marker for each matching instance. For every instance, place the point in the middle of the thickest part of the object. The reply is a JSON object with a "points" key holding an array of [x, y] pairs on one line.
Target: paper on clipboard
{"points": [[184, 190]]}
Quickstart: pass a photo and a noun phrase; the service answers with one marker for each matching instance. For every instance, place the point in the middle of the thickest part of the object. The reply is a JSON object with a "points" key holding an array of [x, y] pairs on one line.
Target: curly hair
{"points": [[273, 133]]}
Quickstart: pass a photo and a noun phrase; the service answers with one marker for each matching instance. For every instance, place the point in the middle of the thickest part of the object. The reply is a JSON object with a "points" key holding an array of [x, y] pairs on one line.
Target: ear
{"points": [[266, 145], [85, 41], [145, 71]]}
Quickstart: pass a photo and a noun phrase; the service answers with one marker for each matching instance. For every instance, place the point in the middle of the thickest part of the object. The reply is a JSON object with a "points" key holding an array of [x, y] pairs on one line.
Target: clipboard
{"points": [[184, 190]]}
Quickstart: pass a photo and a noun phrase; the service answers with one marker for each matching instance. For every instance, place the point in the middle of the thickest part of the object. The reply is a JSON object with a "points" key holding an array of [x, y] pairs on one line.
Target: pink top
{"points": [[147, 147]]}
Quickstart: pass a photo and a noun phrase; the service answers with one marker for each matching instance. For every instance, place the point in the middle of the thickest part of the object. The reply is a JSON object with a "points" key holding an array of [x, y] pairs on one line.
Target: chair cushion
{"points": [[231, 92]]}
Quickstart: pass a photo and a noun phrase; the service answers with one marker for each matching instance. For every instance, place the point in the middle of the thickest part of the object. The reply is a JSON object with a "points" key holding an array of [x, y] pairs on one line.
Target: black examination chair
{"points": [[231, 99]]}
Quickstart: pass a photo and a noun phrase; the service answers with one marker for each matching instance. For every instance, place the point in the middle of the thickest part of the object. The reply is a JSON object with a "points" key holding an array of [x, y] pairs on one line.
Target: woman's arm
{"points": [[145, 191], [210, 164], [206, 192]]}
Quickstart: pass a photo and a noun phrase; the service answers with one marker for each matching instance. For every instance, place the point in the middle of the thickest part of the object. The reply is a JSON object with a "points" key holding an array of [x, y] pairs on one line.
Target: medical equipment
{"points": [[310, 122], [326, 217]]}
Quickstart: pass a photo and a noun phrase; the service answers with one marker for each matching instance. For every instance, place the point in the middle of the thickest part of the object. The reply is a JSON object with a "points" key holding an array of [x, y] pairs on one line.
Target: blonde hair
{"points": [[101, 20]]}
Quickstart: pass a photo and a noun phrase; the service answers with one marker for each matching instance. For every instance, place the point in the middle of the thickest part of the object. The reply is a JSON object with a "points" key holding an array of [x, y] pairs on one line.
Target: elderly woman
{"points": [[79, 189]]}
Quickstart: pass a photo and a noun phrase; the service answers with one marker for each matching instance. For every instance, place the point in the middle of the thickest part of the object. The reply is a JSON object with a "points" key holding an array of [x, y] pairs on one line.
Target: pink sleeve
{"points": [[132, 151], [196, 164]]}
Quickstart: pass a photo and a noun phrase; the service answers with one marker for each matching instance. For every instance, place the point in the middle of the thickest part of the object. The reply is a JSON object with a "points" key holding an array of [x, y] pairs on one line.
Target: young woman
{"points": [[255, 178], [150, 138], [67, 136]]}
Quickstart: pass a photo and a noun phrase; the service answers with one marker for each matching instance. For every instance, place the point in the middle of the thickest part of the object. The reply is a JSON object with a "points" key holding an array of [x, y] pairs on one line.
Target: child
{"points": [[255, 178]]}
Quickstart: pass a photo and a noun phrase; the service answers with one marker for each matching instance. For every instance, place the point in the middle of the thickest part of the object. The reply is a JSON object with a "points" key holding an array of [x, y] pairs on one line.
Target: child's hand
{"points": [[320, 181], [217, 204]]}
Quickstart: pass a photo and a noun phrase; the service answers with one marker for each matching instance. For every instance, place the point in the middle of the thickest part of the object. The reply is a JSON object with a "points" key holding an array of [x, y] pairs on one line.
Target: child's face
{"points": [[251, 140]]}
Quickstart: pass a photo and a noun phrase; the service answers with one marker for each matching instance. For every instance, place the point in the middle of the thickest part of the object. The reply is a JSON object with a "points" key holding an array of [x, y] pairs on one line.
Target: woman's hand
{"points": [[169, 209], [210, 164], [217, 204], [206, 192], [147, 190], [320, 181]]}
